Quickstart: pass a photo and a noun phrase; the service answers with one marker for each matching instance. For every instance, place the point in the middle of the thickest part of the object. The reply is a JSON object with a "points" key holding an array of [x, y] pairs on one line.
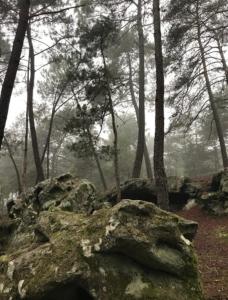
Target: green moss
{"points": [[124, 256], [4, 258], [222, 233]]}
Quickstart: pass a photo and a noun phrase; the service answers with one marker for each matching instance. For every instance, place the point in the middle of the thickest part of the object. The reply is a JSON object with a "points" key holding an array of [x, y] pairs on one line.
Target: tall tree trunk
{"points": [[35, 147], [8, 83], [15, 165], [223, 59], [135, 105], [159, 168], [25, 154], [214, 109], [114, 128], [141, 115]]}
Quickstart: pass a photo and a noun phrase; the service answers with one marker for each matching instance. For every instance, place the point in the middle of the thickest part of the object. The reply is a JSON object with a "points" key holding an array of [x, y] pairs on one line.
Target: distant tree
{"points": [[82, 125], [96, 40], [195, 55], [25, 150], [127, 137], [209, 90], [11, 155]]}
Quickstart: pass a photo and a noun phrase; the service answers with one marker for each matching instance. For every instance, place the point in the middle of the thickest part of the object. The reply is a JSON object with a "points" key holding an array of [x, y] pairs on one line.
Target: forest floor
{"points": [[211, 244]]}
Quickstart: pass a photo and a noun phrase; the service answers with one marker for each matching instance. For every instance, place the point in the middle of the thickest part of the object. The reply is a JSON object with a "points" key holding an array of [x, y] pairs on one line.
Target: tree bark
{"points": [[114, 128], [141, 115], [8, 83], [214, 109], [35, 147], [15, 165], [159, 168], [135, 105]]}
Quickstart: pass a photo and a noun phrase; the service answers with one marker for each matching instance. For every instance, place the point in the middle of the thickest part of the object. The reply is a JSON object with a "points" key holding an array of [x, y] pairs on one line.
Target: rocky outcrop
{"points": [[216, 201], [62, 193], [132, 250], [180, 191]]}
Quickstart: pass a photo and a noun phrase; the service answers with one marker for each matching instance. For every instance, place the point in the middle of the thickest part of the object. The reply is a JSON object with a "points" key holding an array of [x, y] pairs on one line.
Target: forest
{"points": [[103, 101]]}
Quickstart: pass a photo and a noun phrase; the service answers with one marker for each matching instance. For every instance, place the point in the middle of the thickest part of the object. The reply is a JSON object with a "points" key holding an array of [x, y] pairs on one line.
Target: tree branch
{"points": [[56, 11]]}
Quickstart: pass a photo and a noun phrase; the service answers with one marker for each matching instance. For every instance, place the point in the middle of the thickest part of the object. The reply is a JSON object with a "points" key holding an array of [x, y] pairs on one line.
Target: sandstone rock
{"points": [[62, 193], [133, 250], [215, 202], [220, 182], [180, 191]]}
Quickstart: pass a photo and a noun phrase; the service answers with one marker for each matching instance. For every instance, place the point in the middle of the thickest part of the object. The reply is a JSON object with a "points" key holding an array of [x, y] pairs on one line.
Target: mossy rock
{"points": [[215, 203], [133, 250], [220, 182], [61, 193]]}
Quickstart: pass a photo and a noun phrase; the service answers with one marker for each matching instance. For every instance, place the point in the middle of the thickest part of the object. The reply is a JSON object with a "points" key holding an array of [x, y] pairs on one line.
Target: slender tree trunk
{"points": [[54, 160], [114, 128], [223, 59], [141, 115], [48, 138], [35, 147], [159, 168], [53, 112], [48, 159], [8, 83], [25, 154], [216, 157], [148, 163], [46, 150], [96, 158], [15, 165], [214, 109], [103, 181], [135, 105]]}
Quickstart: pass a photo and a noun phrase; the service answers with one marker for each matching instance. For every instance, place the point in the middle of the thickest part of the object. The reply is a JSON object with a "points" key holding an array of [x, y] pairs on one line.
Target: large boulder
{"points": [[133, 250]]}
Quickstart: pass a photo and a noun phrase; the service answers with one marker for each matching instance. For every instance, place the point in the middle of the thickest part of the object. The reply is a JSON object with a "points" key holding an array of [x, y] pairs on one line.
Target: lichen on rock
{"points": [[132, 250]]}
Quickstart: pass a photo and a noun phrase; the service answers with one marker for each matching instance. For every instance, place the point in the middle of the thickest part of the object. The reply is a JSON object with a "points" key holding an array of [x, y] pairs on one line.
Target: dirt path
{"points": [[211, 244]]}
